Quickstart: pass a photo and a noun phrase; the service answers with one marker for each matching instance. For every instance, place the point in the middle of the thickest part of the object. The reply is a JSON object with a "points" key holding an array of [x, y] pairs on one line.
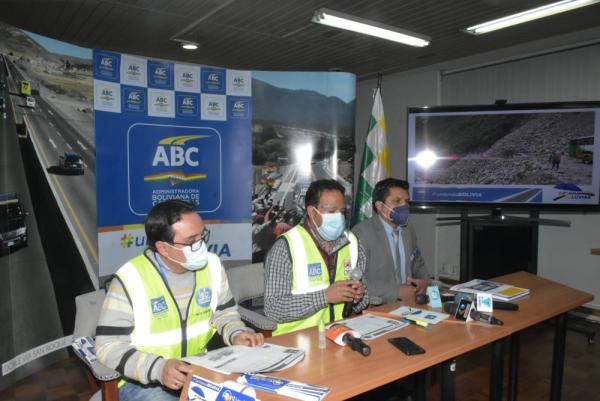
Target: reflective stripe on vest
{"points": [[310, 274], [158, 324]]}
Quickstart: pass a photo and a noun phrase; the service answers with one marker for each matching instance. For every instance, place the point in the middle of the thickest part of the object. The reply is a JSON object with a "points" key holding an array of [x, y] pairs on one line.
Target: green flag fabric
{"points": [[375, 164]]}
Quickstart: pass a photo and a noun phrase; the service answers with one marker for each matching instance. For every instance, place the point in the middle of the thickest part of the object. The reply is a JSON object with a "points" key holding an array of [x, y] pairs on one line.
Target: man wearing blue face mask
{"points": [[309, 270], [395, 266], [165, 304]]}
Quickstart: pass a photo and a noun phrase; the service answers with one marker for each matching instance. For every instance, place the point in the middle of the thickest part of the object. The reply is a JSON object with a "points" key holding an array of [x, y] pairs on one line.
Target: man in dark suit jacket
{"points": [[386, 237]]}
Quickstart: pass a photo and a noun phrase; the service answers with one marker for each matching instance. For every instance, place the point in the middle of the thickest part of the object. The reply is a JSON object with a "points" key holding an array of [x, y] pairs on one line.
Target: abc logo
{"points": [[175, 156], [134, 96], [106, 62], [160, 71], [239, 106], [213, 78]]}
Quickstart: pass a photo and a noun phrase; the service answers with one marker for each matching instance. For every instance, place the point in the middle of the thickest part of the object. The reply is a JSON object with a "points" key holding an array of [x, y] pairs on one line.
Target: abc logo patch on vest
{"points": [[314, 271], [203, 296], [159, 305], [347, 267]]}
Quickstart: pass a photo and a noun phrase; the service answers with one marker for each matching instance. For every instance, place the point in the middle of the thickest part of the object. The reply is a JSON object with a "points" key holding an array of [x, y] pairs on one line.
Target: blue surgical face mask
{"points": [[333, 225], [399, 215]]}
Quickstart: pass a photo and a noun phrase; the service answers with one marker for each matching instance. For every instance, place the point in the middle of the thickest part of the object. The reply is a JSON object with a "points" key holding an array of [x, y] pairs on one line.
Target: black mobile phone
{"points": [[406, 345]]}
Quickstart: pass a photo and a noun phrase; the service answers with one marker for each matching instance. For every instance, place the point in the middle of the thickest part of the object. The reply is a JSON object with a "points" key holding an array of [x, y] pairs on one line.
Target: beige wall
{"points": [[566, 68]]}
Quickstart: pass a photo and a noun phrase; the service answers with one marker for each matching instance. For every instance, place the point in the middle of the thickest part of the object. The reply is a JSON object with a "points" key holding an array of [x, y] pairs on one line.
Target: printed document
{"points": [[370, 326], [422, 315], [242, 359]]}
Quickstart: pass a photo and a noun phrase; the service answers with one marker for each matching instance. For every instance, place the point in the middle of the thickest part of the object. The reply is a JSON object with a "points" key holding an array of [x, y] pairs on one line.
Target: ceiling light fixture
{"points": [[189, 45], [529, 15], [340, 20]]}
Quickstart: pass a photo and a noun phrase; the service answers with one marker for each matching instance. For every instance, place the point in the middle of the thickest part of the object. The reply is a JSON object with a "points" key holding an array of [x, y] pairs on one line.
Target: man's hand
{"points": [[249, 339], [407, 293], [359, 291], [344, 291], [419, 284], [174, 374]]}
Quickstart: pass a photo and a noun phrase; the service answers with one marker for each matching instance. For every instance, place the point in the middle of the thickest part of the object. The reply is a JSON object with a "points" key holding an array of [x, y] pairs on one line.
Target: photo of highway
{"points": [[60, 126], [287, 157], [49, 247]]}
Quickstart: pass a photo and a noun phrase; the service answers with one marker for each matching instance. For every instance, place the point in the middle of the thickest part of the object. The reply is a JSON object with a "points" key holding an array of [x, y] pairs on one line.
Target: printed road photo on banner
{"points": [[303, 130]]}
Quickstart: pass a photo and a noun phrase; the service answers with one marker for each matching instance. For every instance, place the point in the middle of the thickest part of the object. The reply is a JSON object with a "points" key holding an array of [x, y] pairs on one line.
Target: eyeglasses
{"points": [[331, 209], [194, 246]]}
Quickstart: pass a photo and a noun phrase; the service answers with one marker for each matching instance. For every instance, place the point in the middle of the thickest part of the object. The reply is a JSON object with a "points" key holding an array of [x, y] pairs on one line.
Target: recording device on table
{"points": [[355, 274], [406, 345], [485, 318], [501, 305], [357, 344], [463, 310], [343, 335]]}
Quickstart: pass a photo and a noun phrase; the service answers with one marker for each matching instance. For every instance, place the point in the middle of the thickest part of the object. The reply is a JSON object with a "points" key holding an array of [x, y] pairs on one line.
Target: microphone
{"points": [[355, 274], [482, 317], [356, 344], [450, 308]]}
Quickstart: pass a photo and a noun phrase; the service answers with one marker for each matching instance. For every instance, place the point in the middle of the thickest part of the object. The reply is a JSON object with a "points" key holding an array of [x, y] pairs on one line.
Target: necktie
{"points": [[397, 258]]}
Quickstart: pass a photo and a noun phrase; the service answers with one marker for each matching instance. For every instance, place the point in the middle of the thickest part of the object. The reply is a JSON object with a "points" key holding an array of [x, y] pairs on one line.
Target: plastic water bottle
{"points": [[322, 337]]}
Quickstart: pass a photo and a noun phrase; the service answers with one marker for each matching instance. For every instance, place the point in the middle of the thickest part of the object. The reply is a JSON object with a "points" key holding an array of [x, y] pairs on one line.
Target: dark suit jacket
{"points": [[380, 277]]}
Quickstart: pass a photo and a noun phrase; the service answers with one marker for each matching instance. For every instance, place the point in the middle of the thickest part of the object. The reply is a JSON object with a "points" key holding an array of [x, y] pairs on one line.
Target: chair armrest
{"points": [[375, 300], [84, 349], [256, 319]]}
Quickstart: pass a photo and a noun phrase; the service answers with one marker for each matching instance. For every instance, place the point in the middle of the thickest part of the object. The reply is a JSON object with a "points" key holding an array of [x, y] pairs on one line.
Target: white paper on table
{"points": [[242, 359], [370, 326], [423, 315]]}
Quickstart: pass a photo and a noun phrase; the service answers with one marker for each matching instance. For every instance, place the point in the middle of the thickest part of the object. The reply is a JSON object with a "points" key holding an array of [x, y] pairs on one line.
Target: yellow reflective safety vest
{"points": [[159, 327], [310, 274]]}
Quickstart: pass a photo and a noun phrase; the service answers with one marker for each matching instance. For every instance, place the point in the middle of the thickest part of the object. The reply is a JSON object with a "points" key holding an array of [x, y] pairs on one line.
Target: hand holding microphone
{"points": [[355, 274]]}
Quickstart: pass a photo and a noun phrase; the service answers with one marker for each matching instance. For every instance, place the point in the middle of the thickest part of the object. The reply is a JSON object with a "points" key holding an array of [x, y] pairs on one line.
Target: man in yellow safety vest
{"points": [[165, 304], [313, 269]]}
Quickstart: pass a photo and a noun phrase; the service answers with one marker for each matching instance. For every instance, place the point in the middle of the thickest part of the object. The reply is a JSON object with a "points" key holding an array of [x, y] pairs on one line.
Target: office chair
{"points": [[247, 283], [101, 378]]}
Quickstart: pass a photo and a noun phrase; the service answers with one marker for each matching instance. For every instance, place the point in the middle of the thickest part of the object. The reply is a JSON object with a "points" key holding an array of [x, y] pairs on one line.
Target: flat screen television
{"points": [[543, 155]]}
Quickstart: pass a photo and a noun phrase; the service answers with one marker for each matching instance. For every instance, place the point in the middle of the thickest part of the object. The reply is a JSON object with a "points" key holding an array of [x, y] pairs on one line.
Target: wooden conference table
{"points": [[348, 373]]}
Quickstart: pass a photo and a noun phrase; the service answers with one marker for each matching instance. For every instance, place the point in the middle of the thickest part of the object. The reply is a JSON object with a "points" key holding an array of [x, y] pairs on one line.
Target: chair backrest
{"points": [[87, 313], [246, 281]]}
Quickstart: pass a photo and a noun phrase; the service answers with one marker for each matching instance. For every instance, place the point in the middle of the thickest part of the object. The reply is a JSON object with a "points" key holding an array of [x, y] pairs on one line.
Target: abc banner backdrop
{"points": [[171, 131]]}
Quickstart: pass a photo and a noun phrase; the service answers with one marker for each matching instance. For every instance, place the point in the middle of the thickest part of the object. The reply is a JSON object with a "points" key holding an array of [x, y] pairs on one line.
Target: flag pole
{"points": [[375, 164]]}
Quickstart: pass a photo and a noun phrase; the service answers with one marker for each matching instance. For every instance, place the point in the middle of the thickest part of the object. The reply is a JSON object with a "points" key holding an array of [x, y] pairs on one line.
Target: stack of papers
{"points": [[370, 326], [242, 359], [289, 388], [202, 389], [502, 292], [421, 315]]}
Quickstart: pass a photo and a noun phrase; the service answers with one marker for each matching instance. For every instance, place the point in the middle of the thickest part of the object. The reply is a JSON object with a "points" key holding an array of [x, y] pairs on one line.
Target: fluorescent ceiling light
{"points": [[529, 15], [340, 20], [189, 46]]}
